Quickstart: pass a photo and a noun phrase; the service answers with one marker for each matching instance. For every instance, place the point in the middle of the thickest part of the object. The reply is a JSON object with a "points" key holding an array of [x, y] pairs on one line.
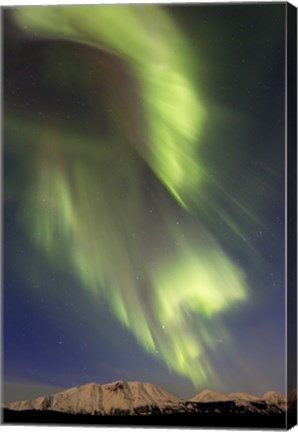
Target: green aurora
{"points": [[171, 293]]}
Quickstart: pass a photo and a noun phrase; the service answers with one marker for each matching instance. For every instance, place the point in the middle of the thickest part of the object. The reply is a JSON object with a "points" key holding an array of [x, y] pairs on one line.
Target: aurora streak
{"points": [[171, 293]]}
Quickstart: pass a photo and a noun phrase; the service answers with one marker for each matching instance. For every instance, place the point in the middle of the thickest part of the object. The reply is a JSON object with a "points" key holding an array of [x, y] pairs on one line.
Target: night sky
{"points": [[144, 197]]}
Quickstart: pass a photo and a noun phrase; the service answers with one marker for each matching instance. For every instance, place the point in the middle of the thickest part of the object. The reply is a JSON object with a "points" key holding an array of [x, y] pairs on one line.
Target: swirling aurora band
{"points": [[171, 301]]}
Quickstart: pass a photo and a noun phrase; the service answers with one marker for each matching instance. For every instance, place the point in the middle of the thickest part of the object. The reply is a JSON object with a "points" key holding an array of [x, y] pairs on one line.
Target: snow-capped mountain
{"points": [[138, 398], [275, 398], [117, 398], [269, 402], [210, 396], [271, 397]]}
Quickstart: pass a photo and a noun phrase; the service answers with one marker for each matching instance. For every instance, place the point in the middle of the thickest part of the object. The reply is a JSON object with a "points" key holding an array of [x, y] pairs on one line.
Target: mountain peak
{"points": [[210, 396], [130, 398], [271, 397], [243, 396]]}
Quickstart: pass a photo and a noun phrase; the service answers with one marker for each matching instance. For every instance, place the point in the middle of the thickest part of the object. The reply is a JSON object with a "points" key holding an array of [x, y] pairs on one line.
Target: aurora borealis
{"points": [[143, 162]]}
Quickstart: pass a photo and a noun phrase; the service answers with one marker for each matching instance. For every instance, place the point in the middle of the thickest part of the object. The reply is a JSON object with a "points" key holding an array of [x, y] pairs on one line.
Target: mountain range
{"points": [[95, 403], [134, 398]]}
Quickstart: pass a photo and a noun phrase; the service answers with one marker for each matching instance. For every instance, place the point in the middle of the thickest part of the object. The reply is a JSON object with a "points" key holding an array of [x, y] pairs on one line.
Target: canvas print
{"points": [[146, 159]]}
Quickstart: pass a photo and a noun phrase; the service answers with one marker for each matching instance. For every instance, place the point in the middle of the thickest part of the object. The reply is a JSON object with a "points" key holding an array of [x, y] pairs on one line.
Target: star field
{"points": [[144, 196]]}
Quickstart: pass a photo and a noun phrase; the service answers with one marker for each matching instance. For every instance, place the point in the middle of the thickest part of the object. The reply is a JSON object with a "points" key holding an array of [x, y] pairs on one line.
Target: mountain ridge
{"points": [[118, 397], [140, 398]]}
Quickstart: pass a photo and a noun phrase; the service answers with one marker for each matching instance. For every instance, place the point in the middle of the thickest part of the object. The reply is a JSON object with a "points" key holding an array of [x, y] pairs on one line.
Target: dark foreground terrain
{"points": [[209, 418]]}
